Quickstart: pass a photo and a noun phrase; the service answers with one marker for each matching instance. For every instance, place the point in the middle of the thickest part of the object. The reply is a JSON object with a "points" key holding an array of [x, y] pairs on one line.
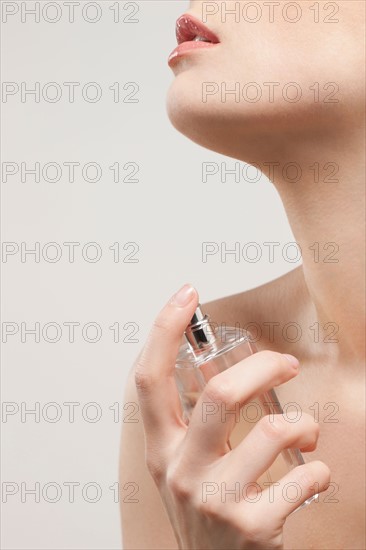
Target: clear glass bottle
{"points": [[210, 349]]}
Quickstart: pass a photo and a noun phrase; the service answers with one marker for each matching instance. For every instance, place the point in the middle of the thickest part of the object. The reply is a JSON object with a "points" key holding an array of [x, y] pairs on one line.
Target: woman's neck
{"points": [[326, 210]]}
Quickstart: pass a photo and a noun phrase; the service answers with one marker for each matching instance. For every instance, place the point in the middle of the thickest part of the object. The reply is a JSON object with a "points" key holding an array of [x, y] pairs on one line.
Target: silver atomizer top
{"points": [[200, 332]]}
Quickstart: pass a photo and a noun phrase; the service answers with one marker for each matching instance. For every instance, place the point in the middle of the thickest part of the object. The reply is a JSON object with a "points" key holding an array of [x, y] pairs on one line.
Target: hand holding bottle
{"points": [[209, 491]]}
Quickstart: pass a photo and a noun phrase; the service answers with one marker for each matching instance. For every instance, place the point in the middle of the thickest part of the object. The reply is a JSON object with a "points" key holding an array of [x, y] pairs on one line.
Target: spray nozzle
{"points": [[200, 332]]}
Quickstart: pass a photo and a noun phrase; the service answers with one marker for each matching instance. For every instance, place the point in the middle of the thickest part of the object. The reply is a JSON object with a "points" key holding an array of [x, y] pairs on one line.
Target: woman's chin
{"points": [[210, 124], [219, 126]]}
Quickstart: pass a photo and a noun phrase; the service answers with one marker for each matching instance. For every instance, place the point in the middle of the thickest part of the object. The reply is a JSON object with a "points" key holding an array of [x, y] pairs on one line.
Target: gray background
{"points": [[168, 213]]}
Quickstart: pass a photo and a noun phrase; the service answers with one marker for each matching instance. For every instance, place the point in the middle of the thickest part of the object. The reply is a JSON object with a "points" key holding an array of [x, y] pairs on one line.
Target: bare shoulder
{"points": [[274, 313], [145, 523]]}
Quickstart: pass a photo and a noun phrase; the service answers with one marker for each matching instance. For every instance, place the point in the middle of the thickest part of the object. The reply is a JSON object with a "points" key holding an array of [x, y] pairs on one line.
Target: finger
{"points": [[294, 489], [218, 408], [264, 443], [154, 371]]}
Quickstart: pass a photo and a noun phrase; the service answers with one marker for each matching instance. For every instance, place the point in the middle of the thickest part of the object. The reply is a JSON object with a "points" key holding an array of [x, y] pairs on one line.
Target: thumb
{"points": [[154, 372]]}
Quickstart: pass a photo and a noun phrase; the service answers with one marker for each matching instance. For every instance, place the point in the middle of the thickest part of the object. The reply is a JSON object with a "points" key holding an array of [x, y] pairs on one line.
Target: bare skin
{"points": [[328, 296]]}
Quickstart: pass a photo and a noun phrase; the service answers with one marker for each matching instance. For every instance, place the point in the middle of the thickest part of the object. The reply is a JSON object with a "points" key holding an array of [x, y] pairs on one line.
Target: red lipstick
{"points": [[191, 35]]}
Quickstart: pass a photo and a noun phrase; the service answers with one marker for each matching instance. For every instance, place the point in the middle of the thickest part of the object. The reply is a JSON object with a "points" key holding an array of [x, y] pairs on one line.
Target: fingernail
{"points": [[183, 296], [293, 361]]}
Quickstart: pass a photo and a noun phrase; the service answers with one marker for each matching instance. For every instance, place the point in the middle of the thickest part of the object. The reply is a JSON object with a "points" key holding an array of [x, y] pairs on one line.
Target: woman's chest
{"points": [[336, 520]]}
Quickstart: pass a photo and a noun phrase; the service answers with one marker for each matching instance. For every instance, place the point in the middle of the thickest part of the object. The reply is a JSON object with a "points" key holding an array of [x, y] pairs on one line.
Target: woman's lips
{"points": [[187, 47], [188, 29]]}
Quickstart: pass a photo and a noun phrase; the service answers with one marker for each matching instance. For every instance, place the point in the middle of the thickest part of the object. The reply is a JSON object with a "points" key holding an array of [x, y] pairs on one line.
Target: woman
{"points": [[280, 85]]}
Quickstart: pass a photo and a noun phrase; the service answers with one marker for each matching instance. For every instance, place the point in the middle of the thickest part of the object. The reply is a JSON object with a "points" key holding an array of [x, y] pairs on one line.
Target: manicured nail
{"points": [[292, 360], [183, 296]]}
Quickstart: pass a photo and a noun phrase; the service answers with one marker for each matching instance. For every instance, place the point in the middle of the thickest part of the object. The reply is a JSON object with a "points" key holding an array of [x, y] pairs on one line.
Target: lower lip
{"points": [[187, 47]]}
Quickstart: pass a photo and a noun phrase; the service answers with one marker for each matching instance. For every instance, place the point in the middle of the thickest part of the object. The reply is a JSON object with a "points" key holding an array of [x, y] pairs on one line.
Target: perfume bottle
{"points": [[210, 349]]}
